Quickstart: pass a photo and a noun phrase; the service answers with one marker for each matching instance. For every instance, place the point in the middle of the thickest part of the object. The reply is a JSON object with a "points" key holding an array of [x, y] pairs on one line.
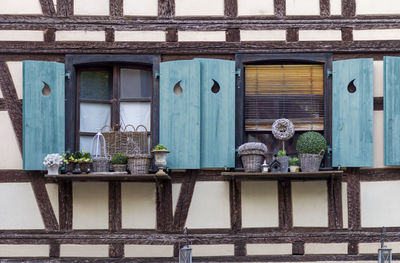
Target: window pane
{"points": [[135, 113], [94, 116], [135, 83], [85, 143], [95, 85]]}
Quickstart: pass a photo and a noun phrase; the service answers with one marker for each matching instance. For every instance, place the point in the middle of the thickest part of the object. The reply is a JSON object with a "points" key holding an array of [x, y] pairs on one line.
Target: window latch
{"points": [[330, 73], [68, 75], [237, 72], [156, 75]]}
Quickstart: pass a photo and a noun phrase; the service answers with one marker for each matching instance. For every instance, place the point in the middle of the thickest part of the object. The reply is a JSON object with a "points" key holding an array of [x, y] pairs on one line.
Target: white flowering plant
{"points": [[52, 159]]}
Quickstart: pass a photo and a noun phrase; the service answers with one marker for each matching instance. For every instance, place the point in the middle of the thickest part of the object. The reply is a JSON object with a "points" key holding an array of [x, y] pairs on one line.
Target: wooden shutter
{"points": [[43, 112], [217, 113], [180, 113], [392, 110], [352, 113]]}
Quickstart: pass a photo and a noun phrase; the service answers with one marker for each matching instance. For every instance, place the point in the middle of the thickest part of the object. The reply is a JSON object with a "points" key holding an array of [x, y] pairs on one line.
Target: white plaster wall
{"points": [[1, 94], [325, 248], [269, 249], [336, 7], [345, 212], [255, 7], [92, 7], [10, 155], [136, 36], [379, 160], [199, 8], [152, 251], [90, 205], [176, 189], [72, 250], [310, 204], [370, 7], [141, 8], [21, 35], [24, 250], [378, 78], [212, 250], [372, 248], [210, 207], [80, 35], [189, 36], [262, 35], [18, 207], [260, 204], [20, 7], [15, 68], [376, 34], [52, 191], [139, 205], [320, 35], [373, 195], [302, 7]]}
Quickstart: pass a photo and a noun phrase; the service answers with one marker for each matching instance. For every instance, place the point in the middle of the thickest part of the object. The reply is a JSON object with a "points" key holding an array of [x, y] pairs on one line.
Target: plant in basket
{"points": [[294, 164], [69, 166], [119, 162], [85, 161], [283, 159], [160, 155], [311, 147], [74, 158]]}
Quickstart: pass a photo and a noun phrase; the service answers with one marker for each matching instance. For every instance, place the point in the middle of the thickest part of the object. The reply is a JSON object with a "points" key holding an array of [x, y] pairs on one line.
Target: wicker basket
{"points": [[253, 155], [119, 168], [310, 162], [85, 167], [284, 161], [117, 141], [139, 163], [101, 165]]}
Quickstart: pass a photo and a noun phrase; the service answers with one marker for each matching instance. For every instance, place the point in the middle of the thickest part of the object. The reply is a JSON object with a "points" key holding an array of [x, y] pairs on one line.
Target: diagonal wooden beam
{"points": [[47, 7], [65, 8], [184, 200], [12, 104], [3, 105]]}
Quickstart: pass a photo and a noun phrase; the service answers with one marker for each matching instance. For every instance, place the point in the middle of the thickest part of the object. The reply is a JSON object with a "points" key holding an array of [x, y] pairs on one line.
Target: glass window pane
{"points": [[135, 113], [135, 83], [85, 143], [94, 116], [95, 85]]}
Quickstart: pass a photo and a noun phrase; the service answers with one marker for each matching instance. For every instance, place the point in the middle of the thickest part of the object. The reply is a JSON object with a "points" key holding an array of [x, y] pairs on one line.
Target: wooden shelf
{"points": [[299, 176], [109, 177]]}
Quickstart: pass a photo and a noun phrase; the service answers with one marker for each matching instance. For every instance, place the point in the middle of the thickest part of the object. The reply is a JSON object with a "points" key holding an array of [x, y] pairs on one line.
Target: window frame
{"points": [[312, 58], [73, 63]]}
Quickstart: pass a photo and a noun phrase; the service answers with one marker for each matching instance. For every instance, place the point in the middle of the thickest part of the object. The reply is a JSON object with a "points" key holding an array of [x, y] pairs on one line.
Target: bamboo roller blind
{"points": [[284, 91]]}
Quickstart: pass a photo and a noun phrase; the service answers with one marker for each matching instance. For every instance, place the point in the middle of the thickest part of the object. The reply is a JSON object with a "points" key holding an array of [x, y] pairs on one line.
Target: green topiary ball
{"points": [[310, 142]]}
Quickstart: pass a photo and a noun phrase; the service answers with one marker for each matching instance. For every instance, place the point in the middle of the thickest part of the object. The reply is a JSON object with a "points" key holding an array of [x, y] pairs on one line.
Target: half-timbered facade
{"points": [[335, 215]]}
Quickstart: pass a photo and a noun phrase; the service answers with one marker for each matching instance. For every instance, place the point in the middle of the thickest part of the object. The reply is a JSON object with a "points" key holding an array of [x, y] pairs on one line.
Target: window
{"points": [[292, 86], [109, 91]]}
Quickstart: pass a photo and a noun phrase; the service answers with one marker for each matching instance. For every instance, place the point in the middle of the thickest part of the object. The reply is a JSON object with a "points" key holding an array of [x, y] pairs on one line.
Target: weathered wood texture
{"points": [[348, 8], [166, 8], [3, 106], [378, 103], [233, 35], [164, 206], [110, 35], [280, 8], [292, 34], [335, 211], [236, 205], [65, 205], [347, 33], [115, 210], [380, 174], [49, 35], [11, 102], [391, 110], [231, 8], [65, 8], [324, 8], [54, 250], [353, 198], [47, 7], [116, 8], [352, 113], [285, 204], [298, 248], [116, 250]]}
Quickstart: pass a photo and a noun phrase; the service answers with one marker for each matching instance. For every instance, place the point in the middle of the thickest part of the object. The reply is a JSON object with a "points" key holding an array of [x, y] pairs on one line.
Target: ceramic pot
{"points": [[160, 157], [53, 170]]}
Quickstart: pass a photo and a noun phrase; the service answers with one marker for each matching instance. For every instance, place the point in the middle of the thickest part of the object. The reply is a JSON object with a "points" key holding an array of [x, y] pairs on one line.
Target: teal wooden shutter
{"points": [[352, 113], [43, 113], [217, 113], [180, 113], [392, 110]]}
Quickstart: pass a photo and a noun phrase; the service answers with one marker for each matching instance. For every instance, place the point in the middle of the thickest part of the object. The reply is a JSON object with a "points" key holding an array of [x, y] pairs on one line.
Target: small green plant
{"points": [[294, 161], [119, 158], [311, 143], [281, 153], [66, 157], [159, 147], [77, 157], [86, 157]]}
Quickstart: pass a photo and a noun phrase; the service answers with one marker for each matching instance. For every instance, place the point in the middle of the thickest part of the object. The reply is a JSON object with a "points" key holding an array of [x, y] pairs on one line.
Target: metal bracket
{"points": [[237, 72], [68, 75], [330, 73], [157, 75]]}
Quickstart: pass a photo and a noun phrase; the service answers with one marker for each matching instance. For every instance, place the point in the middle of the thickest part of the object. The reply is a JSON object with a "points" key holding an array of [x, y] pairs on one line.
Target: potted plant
{"points": [[252, 155], [160, 155], [69, 166], [283, 159], [119, 162], [294, 164], [53, 162], [85, 161], [74, 159], [311, 147]]}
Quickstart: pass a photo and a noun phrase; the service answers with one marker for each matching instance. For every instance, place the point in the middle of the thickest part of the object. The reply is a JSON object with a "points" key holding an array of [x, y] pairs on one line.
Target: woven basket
{"points": [[310, 162], [139, 163], [101, 165], [85, 167], [119, 168], [252, 162], [284, 161], [117, 141]]}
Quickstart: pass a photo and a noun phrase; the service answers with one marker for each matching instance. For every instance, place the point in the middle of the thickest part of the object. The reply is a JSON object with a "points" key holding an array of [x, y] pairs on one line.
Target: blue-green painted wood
{"points": [[43, 116], [392, 110], [180, 113], [217, 113], [352, 113]]}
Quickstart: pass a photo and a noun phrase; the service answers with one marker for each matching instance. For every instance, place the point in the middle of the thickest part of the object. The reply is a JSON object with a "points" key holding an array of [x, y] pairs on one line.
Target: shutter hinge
{"points": [[157, 75], [68, 75], [330, 73], [237, 72]]}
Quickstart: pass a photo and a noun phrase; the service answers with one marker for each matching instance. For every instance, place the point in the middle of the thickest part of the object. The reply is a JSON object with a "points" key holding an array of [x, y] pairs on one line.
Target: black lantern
{"points": [[384, 253], [185, 253]]}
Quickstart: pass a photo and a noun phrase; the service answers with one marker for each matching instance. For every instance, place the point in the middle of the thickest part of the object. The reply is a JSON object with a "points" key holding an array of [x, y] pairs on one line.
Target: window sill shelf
{"points": [[109, 177], [299, 176]]}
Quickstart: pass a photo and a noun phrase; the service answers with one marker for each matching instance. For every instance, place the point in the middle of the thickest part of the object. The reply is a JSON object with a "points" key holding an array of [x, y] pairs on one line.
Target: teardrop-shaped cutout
{"points": [[215, 88], [351, 87], [177, 88], [46, 89]]}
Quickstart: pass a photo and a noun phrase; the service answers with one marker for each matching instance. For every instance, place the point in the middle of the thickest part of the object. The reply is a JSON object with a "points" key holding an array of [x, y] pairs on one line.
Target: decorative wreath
{"points": [[283, 129]]}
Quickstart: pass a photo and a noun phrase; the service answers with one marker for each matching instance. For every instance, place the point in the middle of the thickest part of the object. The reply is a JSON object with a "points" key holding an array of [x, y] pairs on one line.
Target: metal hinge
{"points": [[68, 75], [237, 72], [156, 75], [330, 73]]}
